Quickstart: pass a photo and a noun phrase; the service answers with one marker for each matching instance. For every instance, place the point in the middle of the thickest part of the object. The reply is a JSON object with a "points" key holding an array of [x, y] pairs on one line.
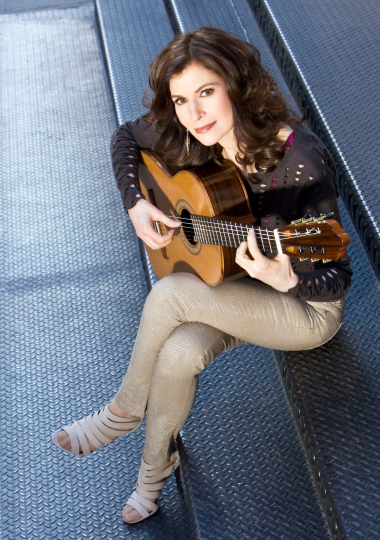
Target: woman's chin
{"points": [[207, 139]]}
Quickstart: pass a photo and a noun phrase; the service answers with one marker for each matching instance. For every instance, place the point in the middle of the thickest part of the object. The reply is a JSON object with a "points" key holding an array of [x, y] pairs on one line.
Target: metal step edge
{"points": [[354, 202], [321, 480]]}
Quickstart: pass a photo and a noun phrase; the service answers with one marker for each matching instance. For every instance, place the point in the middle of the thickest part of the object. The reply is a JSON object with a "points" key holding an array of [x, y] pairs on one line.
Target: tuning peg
{"points": [[327, 260], [302, 259], [314, 260], [330, 215]]}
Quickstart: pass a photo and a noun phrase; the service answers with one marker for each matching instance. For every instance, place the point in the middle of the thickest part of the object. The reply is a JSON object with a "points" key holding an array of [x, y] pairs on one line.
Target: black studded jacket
{"points": [[303, 182]]}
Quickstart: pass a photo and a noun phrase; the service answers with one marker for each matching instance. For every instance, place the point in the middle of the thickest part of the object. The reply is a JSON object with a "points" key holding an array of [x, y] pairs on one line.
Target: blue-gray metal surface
{"points": [[244, 468], [329, 54], [335, 392], [142, 28], [16, 6], [72, 287]]}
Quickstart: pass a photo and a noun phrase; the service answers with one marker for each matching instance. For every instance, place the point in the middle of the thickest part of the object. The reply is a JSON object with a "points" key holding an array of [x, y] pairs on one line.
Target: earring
{"points": [[187, 142]]}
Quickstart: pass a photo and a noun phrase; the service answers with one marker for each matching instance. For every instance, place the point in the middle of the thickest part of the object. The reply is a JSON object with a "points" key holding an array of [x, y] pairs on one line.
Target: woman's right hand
{"points": [[142, 215]]}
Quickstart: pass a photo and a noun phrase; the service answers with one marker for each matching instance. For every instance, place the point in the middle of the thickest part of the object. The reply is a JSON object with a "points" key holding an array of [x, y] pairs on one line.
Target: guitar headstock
{"points": [[314, 239]]}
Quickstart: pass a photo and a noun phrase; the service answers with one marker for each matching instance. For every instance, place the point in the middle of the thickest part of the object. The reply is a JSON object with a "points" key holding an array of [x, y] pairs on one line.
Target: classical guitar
{"points": [[213, 206]]}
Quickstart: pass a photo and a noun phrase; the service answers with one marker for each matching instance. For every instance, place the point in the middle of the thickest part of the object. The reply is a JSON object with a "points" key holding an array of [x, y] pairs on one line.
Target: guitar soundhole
{"points": [[187, 233], [187, 227]]}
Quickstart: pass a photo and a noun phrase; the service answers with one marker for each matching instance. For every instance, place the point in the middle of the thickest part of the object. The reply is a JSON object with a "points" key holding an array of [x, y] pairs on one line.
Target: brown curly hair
{"points": [[259, 108]]}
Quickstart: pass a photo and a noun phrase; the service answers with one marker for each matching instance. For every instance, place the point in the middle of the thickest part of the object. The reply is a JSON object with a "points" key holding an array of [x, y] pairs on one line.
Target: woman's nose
{"points": [[196, 112]]}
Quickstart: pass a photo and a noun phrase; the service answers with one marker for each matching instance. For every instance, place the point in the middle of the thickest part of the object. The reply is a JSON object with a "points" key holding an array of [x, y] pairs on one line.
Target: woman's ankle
{"points": [[118, 411]]}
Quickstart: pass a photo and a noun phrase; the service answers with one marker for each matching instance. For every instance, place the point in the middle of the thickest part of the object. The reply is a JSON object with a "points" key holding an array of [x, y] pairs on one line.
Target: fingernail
{"points": [[250, 231]]}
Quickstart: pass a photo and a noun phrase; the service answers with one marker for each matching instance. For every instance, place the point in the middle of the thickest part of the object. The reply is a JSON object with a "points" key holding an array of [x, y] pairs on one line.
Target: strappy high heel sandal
{"points": [[150, 483], [98, 428]]}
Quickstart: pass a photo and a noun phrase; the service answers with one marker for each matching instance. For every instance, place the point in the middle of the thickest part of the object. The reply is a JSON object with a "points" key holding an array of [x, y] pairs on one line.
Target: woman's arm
{"points": [[125, 145], [324, 282]]}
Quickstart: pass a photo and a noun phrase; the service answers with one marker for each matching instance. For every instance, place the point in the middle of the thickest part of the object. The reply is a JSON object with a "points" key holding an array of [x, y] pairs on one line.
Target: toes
{"points": [[64, 440], [130, 514]]}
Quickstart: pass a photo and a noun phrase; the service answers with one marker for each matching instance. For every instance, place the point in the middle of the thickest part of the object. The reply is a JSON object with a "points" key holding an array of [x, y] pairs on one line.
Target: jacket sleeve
{"points": [[125, 145], [327, 281]]}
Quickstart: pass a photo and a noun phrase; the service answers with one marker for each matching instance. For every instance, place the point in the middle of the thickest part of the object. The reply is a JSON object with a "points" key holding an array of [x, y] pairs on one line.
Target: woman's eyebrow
{"points": [[198, 89]]}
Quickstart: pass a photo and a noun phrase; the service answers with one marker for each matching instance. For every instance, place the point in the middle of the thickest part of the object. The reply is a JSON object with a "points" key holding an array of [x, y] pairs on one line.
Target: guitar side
{"points": [[210, 191]]}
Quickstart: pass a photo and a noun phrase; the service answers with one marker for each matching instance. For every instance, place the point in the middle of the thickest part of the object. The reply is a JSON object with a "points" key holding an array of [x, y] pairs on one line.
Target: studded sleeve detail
{"points": [[125, 145], [324, 281]]}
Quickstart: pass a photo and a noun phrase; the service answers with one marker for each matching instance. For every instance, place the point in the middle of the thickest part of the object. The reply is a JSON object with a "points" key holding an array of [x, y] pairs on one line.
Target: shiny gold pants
{"points": [[185, 324]]}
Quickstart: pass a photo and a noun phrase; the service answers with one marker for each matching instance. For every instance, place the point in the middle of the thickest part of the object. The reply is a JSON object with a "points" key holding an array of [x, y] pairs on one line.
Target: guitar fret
{"points": [[243, 236], [218, 240], [225, 233], [236, 230], [270, 245], [208, 233], [261, 238], [219, 233], [196, 229], [211, 232]]}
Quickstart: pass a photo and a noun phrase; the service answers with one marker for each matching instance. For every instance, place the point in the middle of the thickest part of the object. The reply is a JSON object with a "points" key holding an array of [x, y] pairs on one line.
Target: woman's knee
{"points": [[190, 348], [173, 290]]}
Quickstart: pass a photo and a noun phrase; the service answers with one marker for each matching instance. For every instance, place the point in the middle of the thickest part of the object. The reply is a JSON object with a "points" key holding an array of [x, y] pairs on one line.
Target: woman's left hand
{"points": [[276, 272]]}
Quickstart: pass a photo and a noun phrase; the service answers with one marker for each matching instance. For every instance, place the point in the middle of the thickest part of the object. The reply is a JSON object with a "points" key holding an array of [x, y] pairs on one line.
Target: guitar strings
{"points": [[209, 226], [216, 234], [235, 233]]}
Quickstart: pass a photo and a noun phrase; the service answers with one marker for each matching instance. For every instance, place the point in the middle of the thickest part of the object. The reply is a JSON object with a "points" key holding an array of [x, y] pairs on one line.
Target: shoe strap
{"points": [[74, 440], [86, 451], [151, 479], [99, 428], [139, 507], [115, 429], [89, 427], [148, 505]]}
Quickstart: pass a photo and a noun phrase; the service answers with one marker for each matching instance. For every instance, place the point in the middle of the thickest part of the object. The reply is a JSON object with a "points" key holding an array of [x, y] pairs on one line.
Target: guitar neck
{"points": [[228, 233]]}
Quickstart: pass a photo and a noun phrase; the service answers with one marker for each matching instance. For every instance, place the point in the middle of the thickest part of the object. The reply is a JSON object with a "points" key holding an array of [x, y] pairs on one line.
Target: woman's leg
{"points": [[187, 351], [185, 354], [246, 309], [185, 325]]}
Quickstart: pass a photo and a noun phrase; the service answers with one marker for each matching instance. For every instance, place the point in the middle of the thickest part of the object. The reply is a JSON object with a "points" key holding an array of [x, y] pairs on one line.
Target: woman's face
{"points": [[202, 104]]}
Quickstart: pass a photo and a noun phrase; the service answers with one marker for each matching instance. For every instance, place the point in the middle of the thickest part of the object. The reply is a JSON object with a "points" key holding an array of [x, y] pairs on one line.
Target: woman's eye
{"points": [[179, 101], [207, 92]]}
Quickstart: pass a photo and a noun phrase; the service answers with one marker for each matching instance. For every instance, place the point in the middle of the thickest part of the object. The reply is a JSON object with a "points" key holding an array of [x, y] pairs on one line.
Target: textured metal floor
{"points": [[337, 389], [244, 464], [72, 287], [330, 55]]}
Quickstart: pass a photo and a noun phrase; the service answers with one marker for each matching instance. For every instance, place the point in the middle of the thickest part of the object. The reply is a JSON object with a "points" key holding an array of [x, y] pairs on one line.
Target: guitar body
{"points": [[210, 190]]}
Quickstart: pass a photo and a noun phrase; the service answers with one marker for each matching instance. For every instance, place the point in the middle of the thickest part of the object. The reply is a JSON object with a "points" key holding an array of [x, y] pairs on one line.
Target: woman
{"points": [[212, 100]]}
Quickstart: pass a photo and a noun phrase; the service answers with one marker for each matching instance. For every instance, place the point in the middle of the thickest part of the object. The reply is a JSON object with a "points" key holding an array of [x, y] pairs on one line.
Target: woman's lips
{"points": [[204, 129]]}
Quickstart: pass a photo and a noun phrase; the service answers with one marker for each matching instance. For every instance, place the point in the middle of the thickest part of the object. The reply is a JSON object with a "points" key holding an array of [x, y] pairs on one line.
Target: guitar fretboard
{"points": [[227, 233]]}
